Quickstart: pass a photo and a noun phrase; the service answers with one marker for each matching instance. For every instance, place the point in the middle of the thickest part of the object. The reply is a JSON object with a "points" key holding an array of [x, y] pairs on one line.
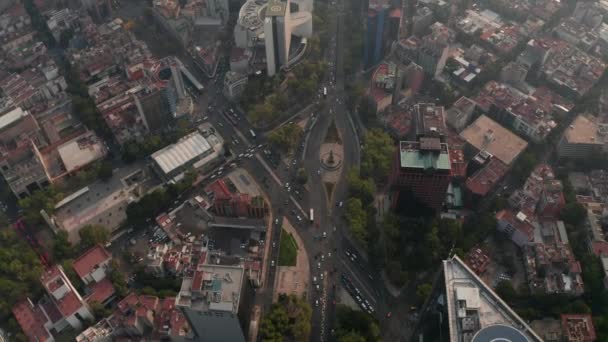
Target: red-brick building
{"points": [[422, 167], [227, 203]]}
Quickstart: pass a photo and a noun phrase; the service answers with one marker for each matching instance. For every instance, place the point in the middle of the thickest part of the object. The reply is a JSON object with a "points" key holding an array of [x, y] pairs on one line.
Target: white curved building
{"points": [[272, 24]]}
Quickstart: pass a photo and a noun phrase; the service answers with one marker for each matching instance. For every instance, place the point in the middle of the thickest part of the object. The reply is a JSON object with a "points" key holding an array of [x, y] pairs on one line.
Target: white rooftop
{"points": [[182, 152], [467, 294], [12, 116], [81, 151]]}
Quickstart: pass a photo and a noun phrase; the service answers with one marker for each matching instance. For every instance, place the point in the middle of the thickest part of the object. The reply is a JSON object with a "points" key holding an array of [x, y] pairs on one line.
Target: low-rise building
{"points": [[194, 151], [100, 204], [578, 328], [532, 116], [93, 265], [227, 203], [460, 114], [484, 134]]}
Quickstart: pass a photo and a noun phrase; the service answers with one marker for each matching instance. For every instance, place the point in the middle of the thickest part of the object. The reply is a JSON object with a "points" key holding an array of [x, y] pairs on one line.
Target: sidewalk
{"points": [[293, 279]]}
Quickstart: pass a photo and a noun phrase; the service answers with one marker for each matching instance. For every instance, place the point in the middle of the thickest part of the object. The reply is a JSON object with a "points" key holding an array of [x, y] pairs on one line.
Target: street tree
{"points": [[377, 155], [286, 137], [357, 220], [573, 213], [423, 291], [62, 248], [91, 235]]}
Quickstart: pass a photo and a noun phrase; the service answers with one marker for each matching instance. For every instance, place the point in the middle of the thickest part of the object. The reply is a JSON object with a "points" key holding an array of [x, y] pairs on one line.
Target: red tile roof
{"points": [[599, 248], [484, 180], [69, 304], [31, 320], [197, 280], [220, 189], [49, 278], [523, 226], [101, 291], [87, 262]]}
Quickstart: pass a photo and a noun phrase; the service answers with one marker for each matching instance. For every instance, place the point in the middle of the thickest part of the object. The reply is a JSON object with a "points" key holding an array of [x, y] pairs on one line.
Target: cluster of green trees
{"points": [[413, 245], [154, 203], [352, 31], [355, 326], [90, 236], [44, 199], [288, 320], [20, 271], [270, 98], [153, 286], [286, 138], [134, 150], [305, 79], [269, 109], [377, 155], [39, 23], [83, 106], [376, 161], [359, 210]]}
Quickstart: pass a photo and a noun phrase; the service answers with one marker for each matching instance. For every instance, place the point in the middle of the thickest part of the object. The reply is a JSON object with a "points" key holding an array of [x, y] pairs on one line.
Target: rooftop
{"points": [[77, 209], [474, 305], [484, 180], [428, 153], [584, 130], [70, 301], [487, 135], [81, 151], [215, 326], [182, 152], [90, 260], [31, 320], [276, 8], [12, 116], [100, 291], [578, 327]]}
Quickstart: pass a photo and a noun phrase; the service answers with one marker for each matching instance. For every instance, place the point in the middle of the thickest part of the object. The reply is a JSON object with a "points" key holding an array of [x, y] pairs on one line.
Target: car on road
{"points": [[321, 276], [298, 218], [316, 302], [271, 263], [324, 235], [319, 265]]}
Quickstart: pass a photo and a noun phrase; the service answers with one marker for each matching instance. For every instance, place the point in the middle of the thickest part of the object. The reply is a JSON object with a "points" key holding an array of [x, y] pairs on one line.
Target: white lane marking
{"points": [[363, 285]]}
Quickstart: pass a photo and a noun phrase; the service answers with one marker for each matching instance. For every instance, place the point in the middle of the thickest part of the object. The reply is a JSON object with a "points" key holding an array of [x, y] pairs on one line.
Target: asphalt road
{"points": [[283, 202]]}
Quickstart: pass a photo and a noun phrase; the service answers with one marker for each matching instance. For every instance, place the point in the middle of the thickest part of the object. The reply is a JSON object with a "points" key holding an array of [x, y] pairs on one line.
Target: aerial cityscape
{"points": [[304, 170]]}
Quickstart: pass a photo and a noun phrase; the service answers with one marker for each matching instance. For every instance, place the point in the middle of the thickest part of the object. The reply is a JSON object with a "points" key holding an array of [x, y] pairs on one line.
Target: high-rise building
{"points": [[154, 109], [424, 166], [277, 35], [377, 14]]}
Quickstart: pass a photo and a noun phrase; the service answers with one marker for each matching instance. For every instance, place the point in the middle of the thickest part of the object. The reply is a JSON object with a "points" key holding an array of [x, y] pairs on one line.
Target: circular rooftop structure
{"points": [[499, 333]]}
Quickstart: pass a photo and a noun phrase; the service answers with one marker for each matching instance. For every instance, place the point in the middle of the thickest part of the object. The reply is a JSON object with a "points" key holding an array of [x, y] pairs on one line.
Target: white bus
{"points": [[252, 133], [312, 215]]}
